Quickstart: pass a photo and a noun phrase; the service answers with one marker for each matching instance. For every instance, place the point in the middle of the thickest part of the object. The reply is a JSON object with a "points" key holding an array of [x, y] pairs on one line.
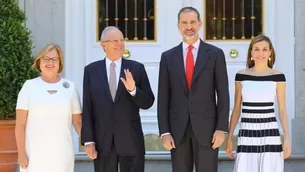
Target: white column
{"points": [[75, 47]]}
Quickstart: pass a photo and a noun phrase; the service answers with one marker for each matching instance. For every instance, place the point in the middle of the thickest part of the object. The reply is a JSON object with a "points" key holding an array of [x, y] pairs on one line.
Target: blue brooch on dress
{"points": [[66, 84]]}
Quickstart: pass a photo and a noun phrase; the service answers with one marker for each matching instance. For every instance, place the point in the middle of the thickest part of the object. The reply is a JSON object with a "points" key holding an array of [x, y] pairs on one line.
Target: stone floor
{"points": [[161, 163]]}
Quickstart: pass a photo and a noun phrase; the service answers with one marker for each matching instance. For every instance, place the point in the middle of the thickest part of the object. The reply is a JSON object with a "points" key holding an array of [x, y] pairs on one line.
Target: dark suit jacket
{"points": [[176, 104], [104, 119]]}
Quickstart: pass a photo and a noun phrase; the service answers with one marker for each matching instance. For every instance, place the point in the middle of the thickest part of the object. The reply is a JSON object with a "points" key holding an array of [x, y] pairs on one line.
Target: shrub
{"points": [[15, 56]]}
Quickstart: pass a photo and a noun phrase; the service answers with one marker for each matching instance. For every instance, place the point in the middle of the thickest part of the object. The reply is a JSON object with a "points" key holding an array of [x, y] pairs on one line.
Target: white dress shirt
{"points": [[118, 65], [185, 50], [194, 51]]}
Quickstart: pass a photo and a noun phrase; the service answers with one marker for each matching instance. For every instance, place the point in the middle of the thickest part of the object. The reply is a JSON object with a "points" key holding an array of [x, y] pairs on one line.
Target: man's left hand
{"points": [[129, 81], [218, 138]]}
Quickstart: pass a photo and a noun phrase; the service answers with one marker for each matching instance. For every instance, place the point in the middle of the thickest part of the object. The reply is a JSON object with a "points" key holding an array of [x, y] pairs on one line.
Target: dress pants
{"points": [[190, 151], [110, 162]]}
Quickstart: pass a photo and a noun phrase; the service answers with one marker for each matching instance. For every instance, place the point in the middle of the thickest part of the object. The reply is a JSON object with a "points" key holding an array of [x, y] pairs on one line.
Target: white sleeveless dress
{"points": [[259, 147], [49, 143]]}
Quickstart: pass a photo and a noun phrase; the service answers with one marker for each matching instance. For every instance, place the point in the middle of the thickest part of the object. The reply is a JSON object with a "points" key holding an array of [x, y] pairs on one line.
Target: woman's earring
{"points": [[251, 58], [269, 58]]}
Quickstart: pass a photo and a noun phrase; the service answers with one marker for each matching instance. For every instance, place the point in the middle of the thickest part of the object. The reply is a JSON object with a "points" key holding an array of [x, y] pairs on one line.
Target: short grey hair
{"points": [[105, 32]]}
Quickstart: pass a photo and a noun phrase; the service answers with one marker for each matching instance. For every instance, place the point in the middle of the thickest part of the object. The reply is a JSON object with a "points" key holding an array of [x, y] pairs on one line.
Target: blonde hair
{"points": [[45, 50]]}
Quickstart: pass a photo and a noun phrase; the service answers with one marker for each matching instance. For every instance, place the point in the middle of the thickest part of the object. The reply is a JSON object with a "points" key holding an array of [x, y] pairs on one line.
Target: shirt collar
{"points": [[117, 62], [195, 45]]}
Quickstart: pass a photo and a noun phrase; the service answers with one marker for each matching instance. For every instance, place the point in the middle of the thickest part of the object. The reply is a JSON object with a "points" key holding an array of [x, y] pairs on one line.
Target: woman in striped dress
{"points": [[259, 146]]}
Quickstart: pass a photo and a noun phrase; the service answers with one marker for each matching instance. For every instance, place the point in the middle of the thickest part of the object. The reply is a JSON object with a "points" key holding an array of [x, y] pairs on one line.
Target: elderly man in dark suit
{"points": [[114, 90], [192, 121]]}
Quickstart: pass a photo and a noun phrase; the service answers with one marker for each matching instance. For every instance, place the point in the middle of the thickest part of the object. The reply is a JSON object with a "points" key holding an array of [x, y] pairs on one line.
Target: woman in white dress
{"points": [[259, 145], [47, 107]]}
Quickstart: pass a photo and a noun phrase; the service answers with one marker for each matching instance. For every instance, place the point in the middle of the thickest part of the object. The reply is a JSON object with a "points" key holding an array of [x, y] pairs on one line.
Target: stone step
{"points": [[162, 163]]}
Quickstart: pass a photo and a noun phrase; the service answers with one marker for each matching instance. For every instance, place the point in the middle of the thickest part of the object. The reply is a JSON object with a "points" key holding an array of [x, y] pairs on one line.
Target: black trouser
{"points": [[189, 151], [110, 162]]}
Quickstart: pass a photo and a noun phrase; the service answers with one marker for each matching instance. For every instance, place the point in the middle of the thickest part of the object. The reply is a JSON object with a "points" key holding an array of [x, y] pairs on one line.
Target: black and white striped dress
{"points": [[259, 147]]}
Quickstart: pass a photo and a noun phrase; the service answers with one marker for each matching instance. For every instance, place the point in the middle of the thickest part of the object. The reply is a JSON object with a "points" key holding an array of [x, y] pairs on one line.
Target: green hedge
{"points": [[15, 56]]}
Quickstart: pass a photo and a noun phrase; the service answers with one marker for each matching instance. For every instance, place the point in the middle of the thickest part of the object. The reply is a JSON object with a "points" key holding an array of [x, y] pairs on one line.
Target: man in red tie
{"points": [[192, 121]]}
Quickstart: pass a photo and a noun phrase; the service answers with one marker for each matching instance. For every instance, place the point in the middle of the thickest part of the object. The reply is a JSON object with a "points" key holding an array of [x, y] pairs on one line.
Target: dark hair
{"points": [[189, 9], [259, 38]]}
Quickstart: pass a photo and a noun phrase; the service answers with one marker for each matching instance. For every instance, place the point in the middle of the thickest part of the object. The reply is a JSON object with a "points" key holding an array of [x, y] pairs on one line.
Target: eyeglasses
{"points": [[47, 59], [115, 41]]}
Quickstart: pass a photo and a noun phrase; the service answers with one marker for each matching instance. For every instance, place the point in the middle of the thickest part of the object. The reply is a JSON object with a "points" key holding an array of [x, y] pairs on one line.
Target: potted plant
{"points": [[15, 67]]}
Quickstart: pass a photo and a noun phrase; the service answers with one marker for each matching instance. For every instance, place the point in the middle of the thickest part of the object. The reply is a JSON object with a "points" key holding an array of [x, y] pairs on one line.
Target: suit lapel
{"points": [[121, 86], [102, 71], [202, 58], [179, 63]]}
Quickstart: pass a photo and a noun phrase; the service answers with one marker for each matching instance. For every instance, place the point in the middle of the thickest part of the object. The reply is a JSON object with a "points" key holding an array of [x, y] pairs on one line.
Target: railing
{"points": [[233, 19], [135, 18]]}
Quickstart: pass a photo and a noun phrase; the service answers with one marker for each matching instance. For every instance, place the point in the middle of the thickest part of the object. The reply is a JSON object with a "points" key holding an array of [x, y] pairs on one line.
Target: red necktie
{"points": [[189, 66]]}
